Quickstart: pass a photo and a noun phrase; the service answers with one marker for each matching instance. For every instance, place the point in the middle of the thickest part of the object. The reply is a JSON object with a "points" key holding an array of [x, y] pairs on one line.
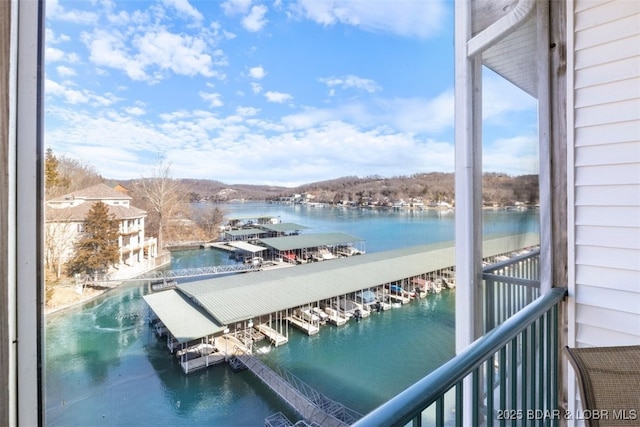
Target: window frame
{"points": [[25, 213]]}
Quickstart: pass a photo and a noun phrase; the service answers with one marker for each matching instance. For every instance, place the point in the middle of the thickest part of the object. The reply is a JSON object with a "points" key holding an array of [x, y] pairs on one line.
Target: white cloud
{"points": [[64, 71], [319, 153], [351, 81], [182, 54], [247, 111], [412, 115], [257, 73], [185, 8], [75, 96], [135, 111], [513, 156], [255, 20], [56, 12], [236, 7], [148, 57], [52, 54], [109, 50], [500, 98], [256, 87], [314, 145], [214, 99], [408, 18], [53, 38], [421, 115], [278, 97]]}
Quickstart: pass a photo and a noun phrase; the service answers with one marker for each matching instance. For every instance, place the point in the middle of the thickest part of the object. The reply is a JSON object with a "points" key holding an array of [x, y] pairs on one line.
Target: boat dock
{"points": [[274, 336], [223, 246], [198, 314], [197, 311], [399, 298], [335, 317], [303, 325]]}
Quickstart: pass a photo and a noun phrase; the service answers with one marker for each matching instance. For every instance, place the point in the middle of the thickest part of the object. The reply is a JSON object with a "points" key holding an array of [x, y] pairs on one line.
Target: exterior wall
{"points": [[605, 163], [63, 234]]}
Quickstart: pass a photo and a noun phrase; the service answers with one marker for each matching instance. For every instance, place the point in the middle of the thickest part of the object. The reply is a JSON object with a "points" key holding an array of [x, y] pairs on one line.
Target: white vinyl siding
{"points": [[606, 172]]}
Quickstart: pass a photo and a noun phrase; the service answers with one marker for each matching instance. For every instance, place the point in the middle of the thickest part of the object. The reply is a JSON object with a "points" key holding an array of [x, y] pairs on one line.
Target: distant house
{"points": [[65, 218]]}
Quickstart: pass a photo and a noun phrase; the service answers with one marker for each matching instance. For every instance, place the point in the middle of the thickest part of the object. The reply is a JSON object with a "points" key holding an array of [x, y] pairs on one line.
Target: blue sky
{"points": [[275, 92]]}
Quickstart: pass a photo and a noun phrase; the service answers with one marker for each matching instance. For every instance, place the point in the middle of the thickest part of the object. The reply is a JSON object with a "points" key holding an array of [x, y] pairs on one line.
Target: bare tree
{"points": [[209, 220], [64, 175], [162, 194], [59, 239]]}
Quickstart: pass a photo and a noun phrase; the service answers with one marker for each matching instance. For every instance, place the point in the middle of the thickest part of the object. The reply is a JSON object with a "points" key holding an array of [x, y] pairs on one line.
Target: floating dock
{"points": [[335, 317], [303, 325], [274, 336]]}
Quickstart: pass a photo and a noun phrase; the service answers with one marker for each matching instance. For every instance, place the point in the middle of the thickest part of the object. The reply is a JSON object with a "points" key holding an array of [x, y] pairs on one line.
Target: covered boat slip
{"points": [[264, 231], [262, 296], [189, 329], [313, 246], [245, 234], [283, 229], [200, 315], [296, 249]]}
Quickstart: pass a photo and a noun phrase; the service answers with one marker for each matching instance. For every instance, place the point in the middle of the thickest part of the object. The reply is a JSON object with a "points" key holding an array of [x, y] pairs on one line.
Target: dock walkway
{"points": [[313, 406]]}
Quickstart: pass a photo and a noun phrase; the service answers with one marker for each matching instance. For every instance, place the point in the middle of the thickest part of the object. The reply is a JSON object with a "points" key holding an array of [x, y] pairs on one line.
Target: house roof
{"points": [[79, 212], [96, 192], [87, 197]]}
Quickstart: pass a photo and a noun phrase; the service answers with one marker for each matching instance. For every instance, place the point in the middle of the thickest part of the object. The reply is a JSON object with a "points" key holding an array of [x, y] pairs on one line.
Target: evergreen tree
{"points": [[55, 183], [98, 248]]}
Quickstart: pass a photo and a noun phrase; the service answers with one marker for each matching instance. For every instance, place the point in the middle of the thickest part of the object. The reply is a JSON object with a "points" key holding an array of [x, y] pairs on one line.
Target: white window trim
{"points": [[25, 188], [572, 390]]}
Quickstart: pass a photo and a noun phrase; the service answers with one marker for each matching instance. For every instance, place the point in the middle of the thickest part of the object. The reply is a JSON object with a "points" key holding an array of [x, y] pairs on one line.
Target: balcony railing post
{"points": [[490, 306]]}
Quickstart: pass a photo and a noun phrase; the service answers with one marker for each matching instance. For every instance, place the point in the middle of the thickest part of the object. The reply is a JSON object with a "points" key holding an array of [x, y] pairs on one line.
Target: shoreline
{"points": [[65, 297]]}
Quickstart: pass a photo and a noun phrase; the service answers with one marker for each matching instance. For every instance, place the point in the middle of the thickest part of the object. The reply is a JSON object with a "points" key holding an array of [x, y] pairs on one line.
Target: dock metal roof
{"points": [[241, 297], [245, 232], [288, 243], [184, 319], [247, 247], [283, 227], [241, 217]]}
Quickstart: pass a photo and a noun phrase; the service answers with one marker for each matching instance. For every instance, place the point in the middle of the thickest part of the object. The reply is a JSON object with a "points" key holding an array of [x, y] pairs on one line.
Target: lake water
{"points": [[104, 366]]}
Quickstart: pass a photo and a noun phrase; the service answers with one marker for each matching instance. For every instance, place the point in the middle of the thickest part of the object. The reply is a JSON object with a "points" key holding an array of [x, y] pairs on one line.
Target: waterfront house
{"points": [[65, 226], [581, 61]]}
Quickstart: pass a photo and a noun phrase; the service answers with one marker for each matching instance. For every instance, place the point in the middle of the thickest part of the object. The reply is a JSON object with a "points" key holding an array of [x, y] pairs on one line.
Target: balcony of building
{"points": [[509, 376]]}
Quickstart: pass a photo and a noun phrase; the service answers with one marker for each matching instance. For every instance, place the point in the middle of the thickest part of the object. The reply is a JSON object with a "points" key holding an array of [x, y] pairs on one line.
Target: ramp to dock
{"points": [[313, 406]]}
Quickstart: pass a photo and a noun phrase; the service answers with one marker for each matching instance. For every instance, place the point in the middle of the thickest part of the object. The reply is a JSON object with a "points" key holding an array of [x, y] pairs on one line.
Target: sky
{"points": [[267, 92]]}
